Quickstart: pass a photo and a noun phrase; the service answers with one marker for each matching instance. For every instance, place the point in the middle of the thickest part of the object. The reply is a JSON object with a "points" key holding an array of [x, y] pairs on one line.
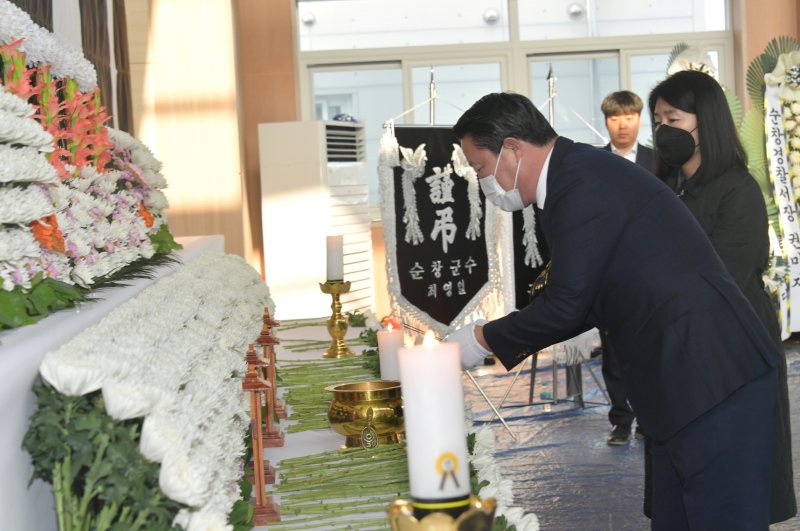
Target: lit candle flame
{"points": [[389, 327], [429, 341]]}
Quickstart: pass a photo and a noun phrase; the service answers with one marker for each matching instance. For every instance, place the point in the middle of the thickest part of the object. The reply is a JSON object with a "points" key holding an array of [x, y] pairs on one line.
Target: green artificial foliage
{"points": [[356, 318], [369, 337], [735, 105], [779, 46], [755, 82], [163, 242], [20, 307], [676, 51], [101, 482], [142, 268], [751, 134]]}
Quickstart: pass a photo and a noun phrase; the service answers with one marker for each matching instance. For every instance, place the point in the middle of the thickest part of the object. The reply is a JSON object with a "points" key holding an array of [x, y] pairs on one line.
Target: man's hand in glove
{"points": [[472, 353]]}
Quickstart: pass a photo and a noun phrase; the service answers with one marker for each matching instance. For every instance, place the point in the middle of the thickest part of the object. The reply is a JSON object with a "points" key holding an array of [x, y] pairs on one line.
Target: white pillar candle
{"points": [[335, 246], [389, 341], [433, 411]]}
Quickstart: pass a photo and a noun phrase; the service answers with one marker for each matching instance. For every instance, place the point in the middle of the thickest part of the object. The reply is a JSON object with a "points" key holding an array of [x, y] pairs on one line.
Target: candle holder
{"points": [[479, 517], [337, 323]]}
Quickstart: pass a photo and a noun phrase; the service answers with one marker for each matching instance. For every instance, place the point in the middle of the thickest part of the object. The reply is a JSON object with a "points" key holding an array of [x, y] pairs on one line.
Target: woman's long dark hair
{"points": [[700, 94]]}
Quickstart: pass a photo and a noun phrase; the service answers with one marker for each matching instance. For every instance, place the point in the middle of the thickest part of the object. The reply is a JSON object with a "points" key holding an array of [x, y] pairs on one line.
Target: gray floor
{"points": [[562, 468]]}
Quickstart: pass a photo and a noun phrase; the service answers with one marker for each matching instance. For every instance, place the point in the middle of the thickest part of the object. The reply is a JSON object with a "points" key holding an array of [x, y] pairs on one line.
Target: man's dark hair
{"points": [[501, 115], [700, 94], [621, 102]]}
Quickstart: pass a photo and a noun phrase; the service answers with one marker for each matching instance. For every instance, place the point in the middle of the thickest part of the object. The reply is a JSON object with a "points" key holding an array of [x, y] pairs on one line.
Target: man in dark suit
{"points": [[628, 258], [623, 112]]}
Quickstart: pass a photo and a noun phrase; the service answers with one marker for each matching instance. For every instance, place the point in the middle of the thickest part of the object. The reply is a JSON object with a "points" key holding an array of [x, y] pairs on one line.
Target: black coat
{"points": [[628, 258], [730, 209]]}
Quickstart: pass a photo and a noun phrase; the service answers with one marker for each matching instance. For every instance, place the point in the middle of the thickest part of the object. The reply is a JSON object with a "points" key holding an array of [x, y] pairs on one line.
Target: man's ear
{"points": [[514, 144]]}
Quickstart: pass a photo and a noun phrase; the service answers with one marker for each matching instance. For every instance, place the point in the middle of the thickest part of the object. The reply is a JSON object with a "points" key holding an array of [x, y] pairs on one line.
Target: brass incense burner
{"points": [[367, 413]]}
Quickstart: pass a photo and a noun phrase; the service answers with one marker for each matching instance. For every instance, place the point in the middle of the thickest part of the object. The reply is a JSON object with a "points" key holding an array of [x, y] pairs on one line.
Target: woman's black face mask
{"points": [[675, 146]]}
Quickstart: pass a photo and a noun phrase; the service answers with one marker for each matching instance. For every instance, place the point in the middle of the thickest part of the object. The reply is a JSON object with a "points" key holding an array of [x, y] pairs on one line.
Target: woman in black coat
{"points": [[698, 154]]}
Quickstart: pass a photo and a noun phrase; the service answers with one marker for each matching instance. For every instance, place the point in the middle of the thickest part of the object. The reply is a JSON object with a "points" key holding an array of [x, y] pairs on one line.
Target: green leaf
{"points": [[676, 51], [781, 45], [42, 297], [163, 242], [735, 105], [356, 318], [753, 140], [13, 310], [755, 82], [242, 514]]}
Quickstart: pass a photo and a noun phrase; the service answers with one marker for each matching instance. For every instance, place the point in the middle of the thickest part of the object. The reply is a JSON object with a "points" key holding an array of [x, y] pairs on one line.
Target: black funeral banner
{"points": [[440, 238], [527, 265]]}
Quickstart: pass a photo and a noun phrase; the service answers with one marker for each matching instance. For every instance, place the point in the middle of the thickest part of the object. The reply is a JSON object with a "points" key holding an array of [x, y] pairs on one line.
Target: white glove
{"points": [[472, 353]]}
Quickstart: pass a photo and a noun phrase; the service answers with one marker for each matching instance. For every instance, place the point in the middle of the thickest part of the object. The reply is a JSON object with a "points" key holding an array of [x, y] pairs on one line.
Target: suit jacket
{"points": [[644, 156], [629, 258]]}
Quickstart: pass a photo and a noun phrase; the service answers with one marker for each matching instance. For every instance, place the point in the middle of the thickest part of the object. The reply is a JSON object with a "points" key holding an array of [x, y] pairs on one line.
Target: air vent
{"points": [[344, 142]]}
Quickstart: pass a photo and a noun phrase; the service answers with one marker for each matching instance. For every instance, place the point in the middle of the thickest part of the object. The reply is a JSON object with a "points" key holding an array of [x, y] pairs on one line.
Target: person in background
{"points": [[622, 111], [699, 156], [628, 258]]}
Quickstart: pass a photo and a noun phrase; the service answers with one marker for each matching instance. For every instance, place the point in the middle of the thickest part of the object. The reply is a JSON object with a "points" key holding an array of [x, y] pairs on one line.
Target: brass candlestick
{"points": [[479, 517], [337, 323]]}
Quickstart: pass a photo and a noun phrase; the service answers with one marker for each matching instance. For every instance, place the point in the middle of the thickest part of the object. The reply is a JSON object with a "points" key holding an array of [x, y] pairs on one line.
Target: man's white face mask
{"points": [[508, 200]]}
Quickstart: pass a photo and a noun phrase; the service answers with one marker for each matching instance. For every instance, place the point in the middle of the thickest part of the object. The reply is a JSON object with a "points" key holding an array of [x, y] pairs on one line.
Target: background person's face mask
{"points": [[507, 200], [675, 146]]}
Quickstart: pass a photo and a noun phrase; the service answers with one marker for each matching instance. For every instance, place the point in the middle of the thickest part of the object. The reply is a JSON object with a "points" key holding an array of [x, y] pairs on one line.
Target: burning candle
{"points": [[433, 411], [389, 341], [335, 257]]}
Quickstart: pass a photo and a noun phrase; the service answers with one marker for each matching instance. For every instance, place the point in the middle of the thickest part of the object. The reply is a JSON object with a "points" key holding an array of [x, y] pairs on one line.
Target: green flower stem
{"points": [[58, 492], [92, 476], [106, 516]]}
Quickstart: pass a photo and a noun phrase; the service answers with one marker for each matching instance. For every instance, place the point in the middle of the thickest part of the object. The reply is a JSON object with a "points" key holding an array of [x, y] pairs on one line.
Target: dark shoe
{"points": [[619, 435], [596, 351], [638, 433], [489, 360]]}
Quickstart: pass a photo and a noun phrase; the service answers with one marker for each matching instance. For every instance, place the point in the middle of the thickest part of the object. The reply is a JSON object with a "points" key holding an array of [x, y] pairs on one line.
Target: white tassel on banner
{"points": [[533, 257], [463, 169], [413, 164]]}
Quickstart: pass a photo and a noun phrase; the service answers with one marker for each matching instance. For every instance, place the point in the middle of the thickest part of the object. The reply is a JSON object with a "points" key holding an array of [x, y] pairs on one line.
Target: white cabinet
{"points": [[314, 184]]}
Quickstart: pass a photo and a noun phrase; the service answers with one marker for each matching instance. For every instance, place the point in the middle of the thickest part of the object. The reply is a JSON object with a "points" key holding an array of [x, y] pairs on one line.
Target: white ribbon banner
{"points": [[778, 159]]}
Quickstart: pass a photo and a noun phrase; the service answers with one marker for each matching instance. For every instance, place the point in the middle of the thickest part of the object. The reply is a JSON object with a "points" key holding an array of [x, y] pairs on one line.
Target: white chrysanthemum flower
{"points": [[17, 243], [25, 164], [795, 108], [789, 125], [70, 379], [208, 520], [24, 204], [794, 157], [513, 514], [24, 131], [156, 200], [15, 105], [181, 480]]}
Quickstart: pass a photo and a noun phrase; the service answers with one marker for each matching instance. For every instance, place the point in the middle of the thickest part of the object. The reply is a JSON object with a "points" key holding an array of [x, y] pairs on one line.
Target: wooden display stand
{"points": [[267, 340], [264, 509]]}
